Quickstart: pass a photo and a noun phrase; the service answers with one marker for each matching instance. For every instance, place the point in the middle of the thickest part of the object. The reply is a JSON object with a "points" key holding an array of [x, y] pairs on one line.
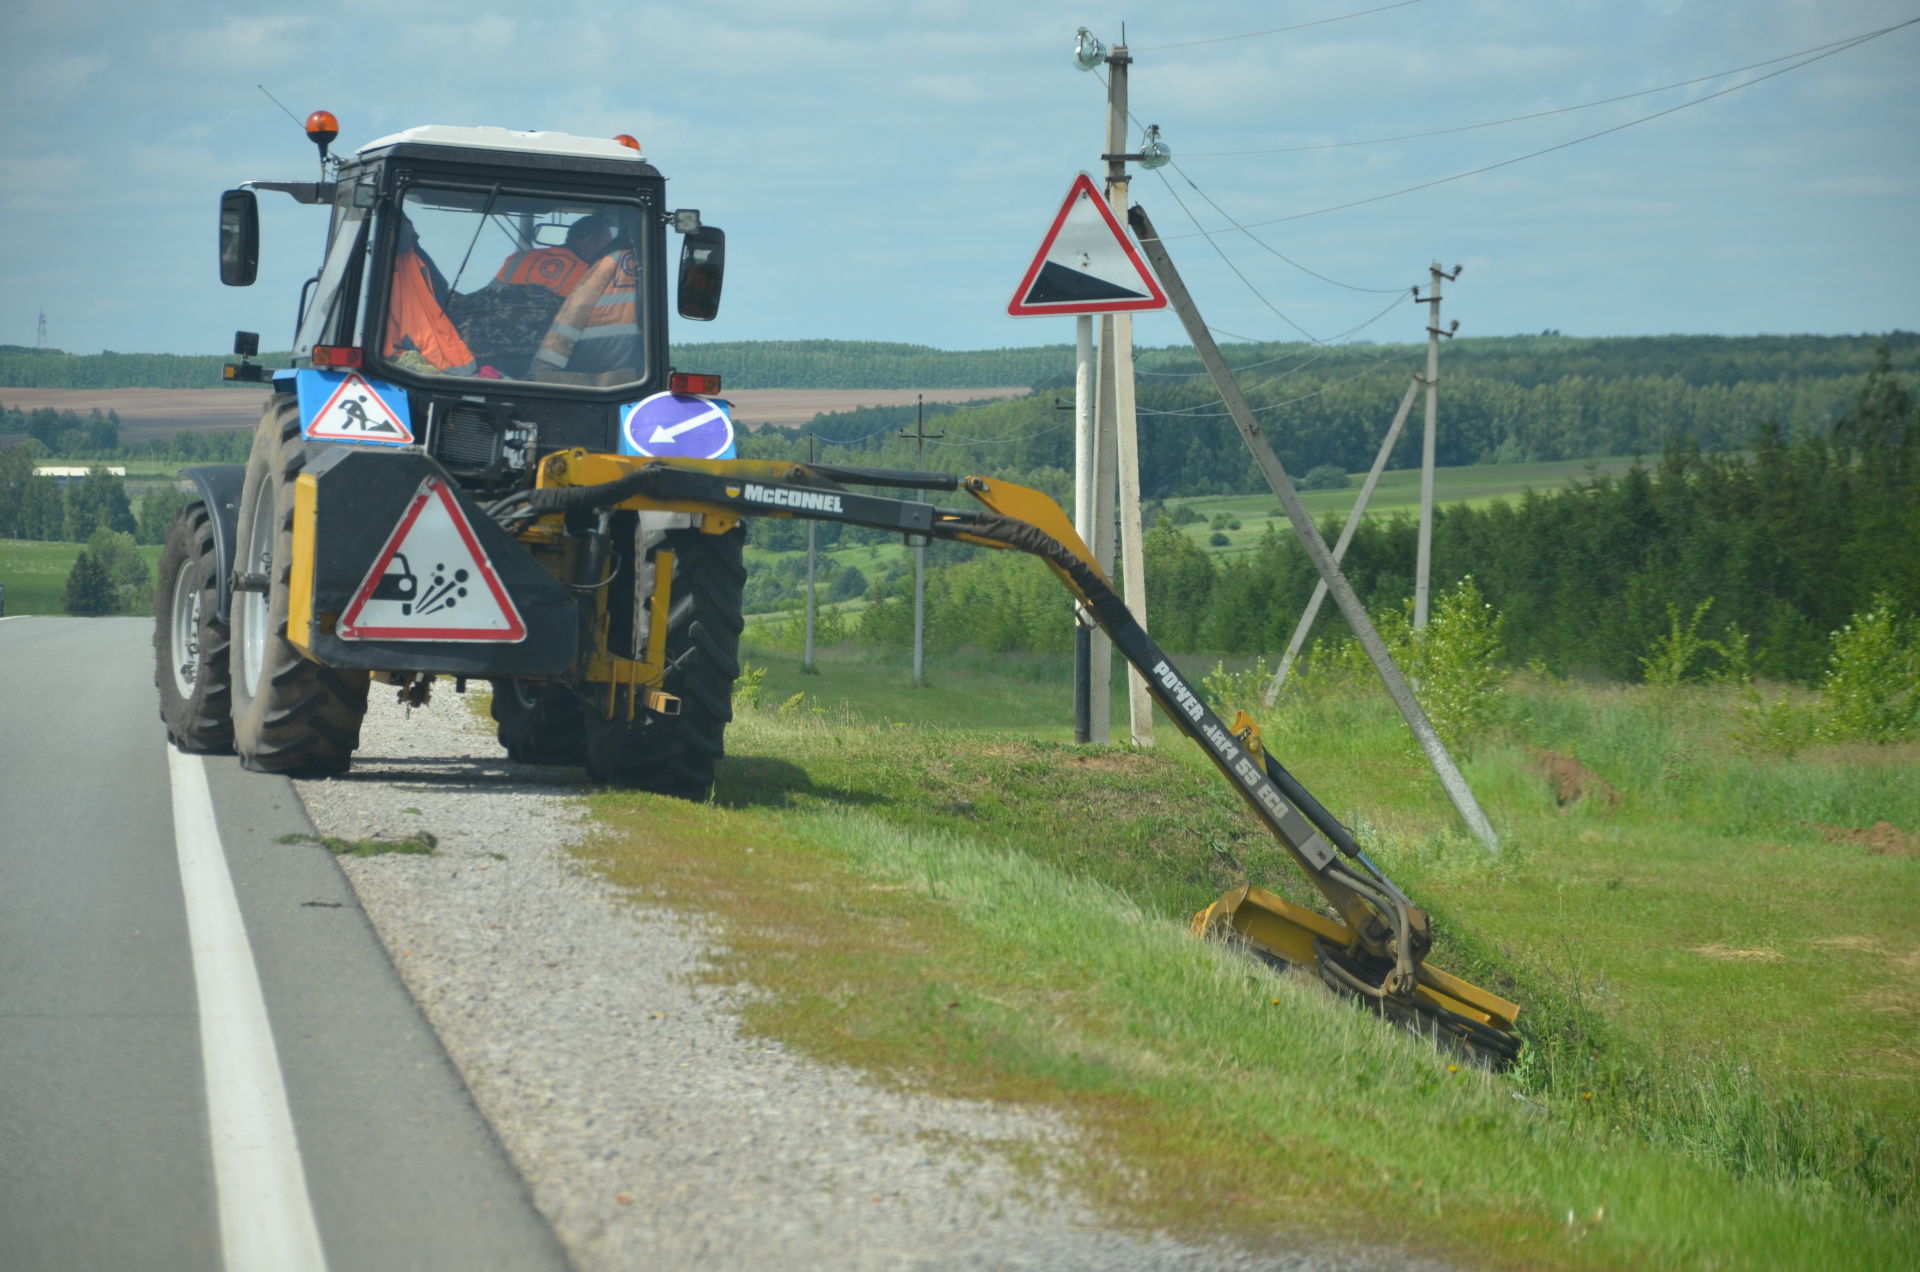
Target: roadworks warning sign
{"points": [[432, 581], [347, 407]]}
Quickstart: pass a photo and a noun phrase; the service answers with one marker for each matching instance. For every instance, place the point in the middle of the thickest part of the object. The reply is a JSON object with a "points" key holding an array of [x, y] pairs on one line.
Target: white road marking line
{"points": [[266, 1217]]}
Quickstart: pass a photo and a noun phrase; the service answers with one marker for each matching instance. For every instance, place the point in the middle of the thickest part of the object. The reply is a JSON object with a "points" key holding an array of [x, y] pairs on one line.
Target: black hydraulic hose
{"points": [[604, 495], [903, 478]]}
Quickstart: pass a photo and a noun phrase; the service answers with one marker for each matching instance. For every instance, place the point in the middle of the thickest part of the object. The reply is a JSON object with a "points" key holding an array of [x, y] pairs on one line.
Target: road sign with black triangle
{"points": [[1086, 264]]}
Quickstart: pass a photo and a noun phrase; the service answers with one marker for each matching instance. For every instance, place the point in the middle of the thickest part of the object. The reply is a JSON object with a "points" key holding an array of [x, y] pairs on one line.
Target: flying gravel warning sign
{"points": [[432, 581], [1086, 264]]}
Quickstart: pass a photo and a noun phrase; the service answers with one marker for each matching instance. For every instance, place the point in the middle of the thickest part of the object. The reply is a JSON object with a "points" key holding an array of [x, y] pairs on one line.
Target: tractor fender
{"points": [[219, 487]]}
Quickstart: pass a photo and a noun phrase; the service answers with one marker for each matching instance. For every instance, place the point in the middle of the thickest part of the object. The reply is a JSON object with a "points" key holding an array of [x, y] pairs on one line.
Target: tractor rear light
{"points": [[689, 382], [339, 356]]}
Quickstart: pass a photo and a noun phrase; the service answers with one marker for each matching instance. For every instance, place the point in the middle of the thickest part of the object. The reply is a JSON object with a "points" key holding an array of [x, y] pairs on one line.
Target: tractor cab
{"points": [[510, 284]]}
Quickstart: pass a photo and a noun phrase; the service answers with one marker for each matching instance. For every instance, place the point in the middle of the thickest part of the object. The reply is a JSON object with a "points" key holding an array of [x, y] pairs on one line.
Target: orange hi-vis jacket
{"points": [[415, 319], [600, 311], [555, 268]]}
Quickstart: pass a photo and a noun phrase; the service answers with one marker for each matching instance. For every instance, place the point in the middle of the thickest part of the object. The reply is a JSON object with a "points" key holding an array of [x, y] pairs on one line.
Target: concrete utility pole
{"points": [[1423, 564], [920, 552], [1116, 332], [1309, 535], [1340, 548]]}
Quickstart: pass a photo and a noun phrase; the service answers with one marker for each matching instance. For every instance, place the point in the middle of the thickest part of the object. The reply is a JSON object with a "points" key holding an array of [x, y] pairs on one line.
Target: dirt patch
{"points": [[1882, 839], [150, 413], [1573, 781], [1728, 953]]}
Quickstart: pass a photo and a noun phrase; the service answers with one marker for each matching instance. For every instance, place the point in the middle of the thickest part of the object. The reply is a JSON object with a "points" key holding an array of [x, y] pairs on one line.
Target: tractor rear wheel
{"points": [[539, 723], [290, 715], [676, 755], [190, 638]]}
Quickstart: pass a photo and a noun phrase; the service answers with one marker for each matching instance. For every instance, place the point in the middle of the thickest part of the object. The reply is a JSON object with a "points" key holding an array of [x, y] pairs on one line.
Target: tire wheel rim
{"points": [[251, 607], [186, 628]]}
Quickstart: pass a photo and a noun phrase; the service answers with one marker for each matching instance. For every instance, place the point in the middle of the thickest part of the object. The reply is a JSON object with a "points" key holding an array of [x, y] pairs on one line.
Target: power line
{"points": [[1538, 114], [1855, 42], [1195, 412], [1399, 294], [1378, 291], [1298, 26]]}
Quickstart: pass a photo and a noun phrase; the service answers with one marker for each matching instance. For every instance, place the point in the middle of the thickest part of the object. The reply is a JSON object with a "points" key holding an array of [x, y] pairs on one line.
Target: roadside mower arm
{"points": [[1377, 951]]}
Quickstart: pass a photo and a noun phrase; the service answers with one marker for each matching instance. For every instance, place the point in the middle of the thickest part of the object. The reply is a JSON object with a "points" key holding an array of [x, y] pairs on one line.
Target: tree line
{"points": [[1760, 554], [1520, 361], [1333, 411], [45, 509]]}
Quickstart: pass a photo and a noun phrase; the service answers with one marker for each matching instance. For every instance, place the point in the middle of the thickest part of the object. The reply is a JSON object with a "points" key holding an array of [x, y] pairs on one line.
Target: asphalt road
{"points": [[334, 1132]]}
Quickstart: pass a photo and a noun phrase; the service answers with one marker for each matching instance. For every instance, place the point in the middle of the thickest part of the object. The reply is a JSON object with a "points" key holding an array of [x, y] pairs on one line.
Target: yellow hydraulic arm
{"points": [[1376, 948]]}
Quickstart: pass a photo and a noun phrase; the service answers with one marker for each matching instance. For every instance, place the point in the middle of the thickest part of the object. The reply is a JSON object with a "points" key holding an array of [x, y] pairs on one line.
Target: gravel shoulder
{"points": [[650, 1130]]}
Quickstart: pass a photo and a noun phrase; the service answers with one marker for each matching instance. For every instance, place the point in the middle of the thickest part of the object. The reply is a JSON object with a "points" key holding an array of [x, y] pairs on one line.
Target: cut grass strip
{"points": [[1217, 1097]]}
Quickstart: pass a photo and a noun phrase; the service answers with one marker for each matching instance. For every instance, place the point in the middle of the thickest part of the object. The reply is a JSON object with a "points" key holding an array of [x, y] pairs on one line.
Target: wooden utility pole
{"points": [[1423, 562], [1309, 535], [920, 552]]}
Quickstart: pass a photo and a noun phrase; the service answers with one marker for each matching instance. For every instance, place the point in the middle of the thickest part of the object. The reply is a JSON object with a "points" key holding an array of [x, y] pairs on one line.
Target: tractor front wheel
{"points": [[190, 638]]}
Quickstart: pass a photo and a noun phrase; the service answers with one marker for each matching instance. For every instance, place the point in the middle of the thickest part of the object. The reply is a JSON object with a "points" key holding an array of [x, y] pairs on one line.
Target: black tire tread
{"points": [[677, 755], [548, 730], [200, 722]]}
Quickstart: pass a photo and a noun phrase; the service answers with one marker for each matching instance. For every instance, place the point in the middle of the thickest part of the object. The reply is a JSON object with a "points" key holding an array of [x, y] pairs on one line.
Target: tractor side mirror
{"points": [[703, 262], [239, 238]]}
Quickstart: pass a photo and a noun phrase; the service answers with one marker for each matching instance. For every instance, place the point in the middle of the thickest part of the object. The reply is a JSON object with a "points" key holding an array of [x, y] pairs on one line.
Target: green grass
{"points": [[1398, 492], [933, 884], [420, 843], [36, 573]]}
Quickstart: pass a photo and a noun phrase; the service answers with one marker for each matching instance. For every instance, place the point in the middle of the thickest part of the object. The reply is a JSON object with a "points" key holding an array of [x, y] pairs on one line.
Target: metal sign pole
{"points": [[1083, 515]]}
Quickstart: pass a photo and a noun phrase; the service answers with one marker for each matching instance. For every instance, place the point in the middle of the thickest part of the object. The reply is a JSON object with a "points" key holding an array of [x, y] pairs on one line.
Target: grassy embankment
{"points": [[934, 885], [36, 573]]}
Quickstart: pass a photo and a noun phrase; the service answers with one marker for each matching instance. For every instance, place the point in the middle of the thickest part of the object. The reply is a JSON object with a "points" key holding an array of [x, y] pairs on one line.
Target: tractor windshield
{"points": [[518, 287]]}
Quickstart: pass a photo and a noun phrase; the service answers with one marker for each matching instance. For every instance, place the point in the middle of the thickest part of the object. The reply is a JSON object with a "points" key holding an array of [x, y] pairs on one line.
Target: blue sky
{"points": [[885, 168]]}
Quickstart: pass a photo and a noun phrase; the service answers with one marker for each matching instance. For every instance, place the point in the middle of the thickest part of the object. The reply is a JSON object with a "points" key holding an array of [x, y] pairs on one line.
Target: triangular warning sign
{"points": [[1086, 264], [432, 581], [357, 413]]}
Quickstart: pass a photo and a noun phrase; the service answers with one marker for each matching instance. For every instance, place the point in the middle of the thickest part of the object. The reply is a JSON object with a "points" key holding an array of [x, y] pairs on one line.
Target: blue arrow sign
{"points": [[677, 425]]}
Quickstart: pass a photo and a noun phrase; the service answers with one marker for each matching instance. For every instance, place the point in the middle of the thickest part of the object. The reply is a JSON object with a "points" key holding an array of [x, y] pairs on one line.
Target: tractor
{"points": [[482, 466]]}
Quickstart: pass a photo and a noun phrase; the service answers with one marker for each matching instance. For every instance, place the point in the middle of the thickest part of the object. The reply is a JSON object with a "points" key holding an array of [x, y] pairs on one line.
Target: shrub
{"points": [[1871, 690], [1326, 477], [89, 589], [1219, 539], [1454, 665]]}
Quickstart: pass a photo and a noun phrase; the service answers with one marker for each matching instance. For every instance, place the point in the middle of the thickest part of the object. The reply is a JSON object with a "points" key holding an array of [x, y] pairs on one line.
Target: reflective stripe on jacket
{"points": [[599, 314], [554, 268], [415, 319]]}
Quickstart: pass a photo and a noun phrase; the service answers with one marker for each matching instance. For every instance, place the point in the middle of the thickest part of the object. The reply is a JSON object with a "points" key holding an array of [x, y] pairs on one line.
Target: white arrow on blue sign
{"points": [[677, 425]]}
